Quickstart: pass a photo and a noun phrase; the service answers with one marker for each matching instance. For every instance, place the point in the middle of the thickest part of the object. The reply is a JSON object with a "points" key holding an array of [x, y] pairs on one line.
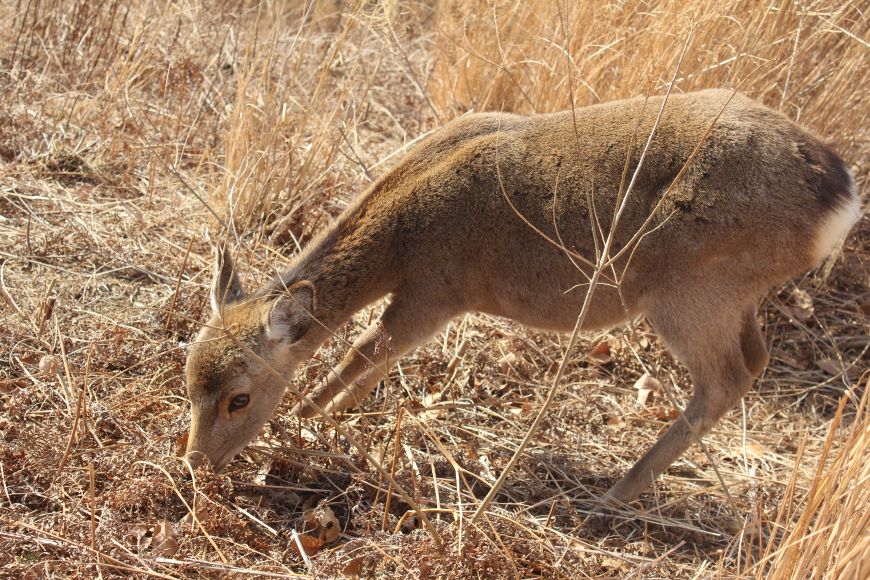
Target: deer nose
{"points": [[195, 458]]}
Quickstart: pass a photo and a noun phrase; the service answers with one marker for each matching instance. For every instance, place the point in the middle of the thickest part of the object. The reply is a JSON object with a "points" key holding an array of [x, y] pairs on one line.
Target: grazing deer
{"points": [[505, 214]]}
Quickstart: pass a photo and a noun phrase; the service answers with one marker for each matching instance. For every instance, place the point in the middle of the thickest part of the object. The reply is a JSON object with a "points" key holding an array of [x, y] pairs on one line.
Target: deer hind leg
{"points": [[723, 353], [752, 344], [405, 323]]}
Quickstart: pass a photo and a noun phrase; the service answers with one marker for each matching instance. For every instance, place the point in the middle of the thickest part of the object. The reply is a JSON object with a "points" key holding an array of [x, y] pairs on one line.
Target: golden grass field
{"points": [[132, 133]]}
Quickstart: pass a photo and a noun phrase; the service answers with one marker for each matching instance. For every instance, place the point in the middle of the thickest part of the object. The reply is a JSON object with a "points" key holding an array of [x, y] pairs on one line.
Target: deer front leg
{"points": [[405, 323]]}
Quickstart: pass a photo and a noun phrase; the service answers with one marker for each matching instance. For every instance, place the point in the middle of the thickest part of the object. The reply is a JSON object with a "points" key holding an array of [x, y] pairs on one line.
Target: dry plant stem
{"points": [[145, 145], [460, 474], [797, 38], [78, 415], [91, 485], [67, 387], [227, 569], [398, 563], [298, 541], [8, 296], [411, 73], [784, 509], [661, 557], [396, 445], [272, 531], [57, 540], [5, 487], [46, 308], [818, 544], [436, 537], [178, 285]]}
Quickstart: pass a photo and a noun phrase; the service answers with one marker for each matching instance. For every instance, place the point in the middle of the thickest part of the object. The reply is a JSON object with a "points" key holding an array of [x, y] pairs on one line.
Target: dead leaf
{"points": [[49, 365], [108, 427], [799, 364], [429, 413], [12, 385], [612, 564], [754, 450], [601, 353], [802, 308], [353, 569], [646, 385], [614, 420], [165, 541], [507, 362], [201, 513], [308, 543], [30, 358], [830, 366], [514, 363], [140, 537], [46, 309], [181, 443], [665, 413], [413, 405], [325, 523]]}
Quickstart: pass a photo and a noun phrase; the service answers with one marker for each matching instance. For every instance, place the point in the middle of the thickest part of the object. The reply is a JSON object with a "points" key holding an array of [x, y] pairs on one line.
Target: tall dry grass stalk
{"points": [[281, 132], [831, 538], [312, 79]]}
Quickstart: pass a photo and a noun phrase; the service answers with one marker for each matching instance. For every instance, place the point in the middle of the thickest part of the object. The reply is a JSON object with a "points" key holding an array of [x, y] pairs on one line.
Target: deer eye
{"points": [[238, 402]]}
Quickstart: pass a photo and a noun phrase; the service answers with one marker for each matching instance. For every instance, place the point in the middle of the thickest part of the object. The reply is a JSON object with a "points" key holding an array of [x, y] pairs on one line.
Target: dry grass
{"points": [[123, 126], [830, 536]]}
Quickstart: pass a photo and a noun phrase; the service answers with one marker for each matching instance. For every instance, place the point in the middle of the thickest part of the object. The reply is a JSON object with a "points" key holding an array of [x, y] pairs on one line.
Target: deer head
{"points": [[233, 393]]}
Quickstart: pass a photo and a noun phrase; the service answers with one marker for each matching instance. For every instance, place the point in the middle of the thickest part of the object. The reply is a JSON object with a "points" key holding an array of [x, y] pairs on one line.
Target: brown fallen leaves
{"points": [[650, 396], [320, 527], [12, 385], [181, 443], [160, 539], [646, 385], [802, 307], [601, 354], [49, 365]]}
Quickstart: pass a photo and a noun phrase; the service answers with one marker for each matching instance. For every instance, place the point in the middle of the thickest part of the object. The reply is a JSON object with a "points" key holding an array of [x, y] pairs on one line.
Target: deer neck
{"points": [[348, 266]]}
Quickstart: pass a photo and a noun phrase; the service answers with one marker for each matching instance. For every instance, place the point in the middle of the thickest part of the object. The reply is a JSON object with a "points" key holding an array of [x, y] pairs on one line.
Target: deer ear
{"points": [[289, 317], [225, 286]]}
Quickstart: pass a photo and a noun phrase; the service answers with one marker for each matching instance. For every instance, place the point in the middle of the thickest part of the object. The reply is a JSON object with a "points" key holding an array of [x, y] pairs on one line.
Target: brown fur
{"points": [[438, 236]]}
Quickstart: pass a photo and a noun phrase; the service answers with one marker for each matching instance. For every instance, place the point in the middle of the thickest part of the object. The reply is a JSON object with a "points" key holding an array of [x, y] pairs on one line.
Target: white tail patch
{"points": [[837, 224]]}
